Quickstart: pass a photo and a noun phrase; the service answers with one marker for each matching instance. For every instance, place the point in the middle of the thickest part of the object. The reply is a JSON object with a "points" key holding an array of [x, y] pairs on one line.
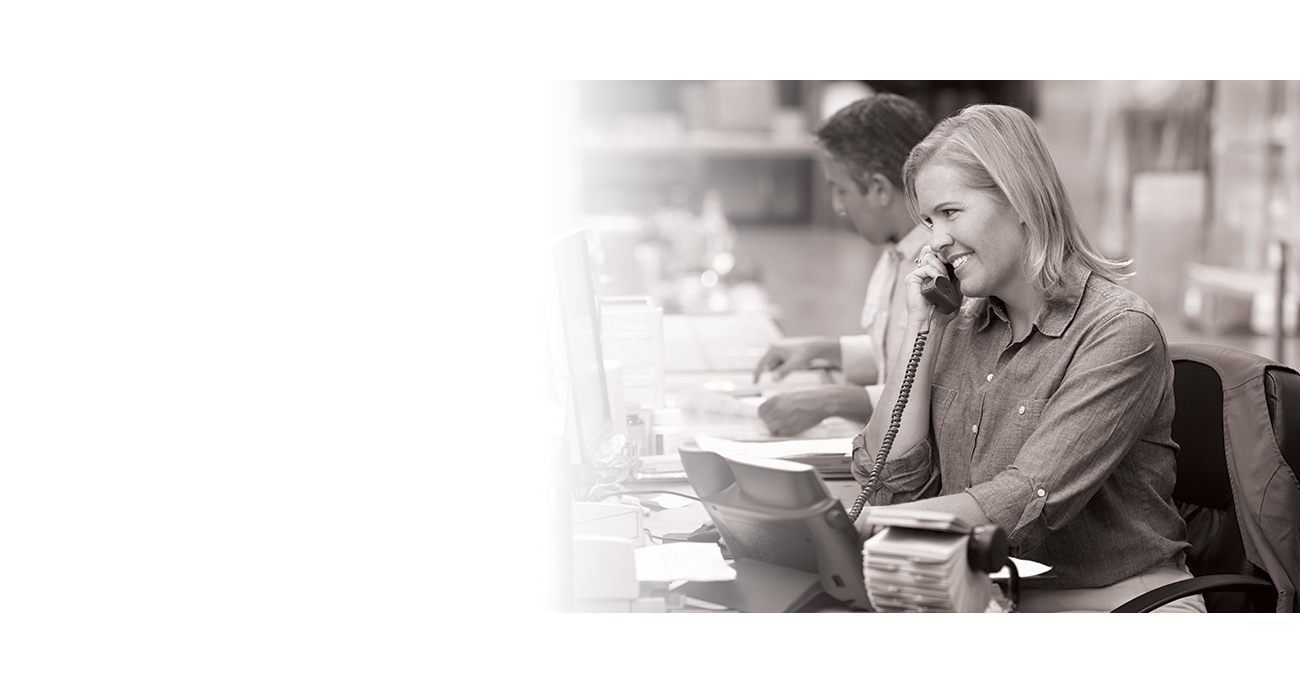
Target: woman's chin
{"points": [[969, 288]]}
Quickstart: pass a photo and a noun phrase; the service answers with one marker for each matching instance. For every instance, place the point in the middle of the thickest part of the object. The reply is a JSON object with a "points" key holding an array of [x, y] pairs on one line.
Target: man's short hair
{"points": [[874, 135]]}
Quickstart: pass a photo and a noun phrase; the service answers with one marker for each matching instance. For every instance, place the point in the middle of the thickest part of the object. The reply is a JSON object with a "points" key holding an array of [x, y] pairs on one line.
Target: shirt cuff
{"points": [[858, 359], [1014, 502]]}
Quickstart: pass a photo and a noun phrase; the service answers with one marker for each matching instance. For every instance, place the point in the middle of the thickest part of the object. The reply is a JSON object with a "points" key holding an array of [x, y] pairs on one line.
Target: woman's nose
{"points": [[837, 206], [939, 240]]}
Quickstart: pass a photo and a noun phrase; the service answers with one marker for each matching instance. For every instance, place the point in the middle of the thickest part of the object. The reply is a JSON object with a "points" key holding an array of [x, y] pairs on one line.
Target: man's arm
{"points": [[789, 413], [796, 353]]}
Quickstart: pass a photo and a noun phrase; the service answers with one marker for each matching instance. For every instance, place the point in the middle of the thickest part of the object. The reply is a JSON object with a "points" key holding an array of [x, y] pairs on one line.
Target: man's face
{"points": [[848, 201]]}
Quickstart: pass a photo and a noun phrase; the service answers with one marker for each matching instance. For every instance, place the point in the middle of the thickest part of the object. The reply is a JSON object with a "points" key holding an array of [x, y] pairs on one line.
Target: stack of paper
{"points": [[660, 467], [921, 570], [781, 449]]}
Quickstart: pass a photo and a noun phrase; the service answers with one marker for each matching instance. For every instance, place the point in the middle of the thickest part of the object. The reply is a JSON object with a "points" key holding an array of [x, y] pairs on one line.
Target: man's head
{"points": [[864, 146]]}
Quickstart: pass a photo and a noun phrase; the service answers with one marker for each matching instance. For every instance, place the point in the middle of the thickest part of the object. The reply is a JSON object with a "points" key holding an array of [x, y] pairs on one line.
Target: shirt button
{"points": [[1041, 493], [974, 428], [1022, 409], [990, 378]]}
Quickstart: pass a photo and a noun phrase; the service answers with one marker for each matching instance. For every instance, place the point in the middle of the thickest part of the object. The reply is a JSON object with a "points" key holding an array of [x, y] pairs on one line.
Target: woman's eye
{"points": [[948, 213]]}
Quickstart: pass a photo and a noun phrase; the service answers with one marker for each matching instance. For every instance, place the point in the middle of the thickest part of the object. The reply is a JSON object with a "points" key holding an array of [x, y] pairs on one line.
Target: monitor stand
{"points": [[760, 588]]}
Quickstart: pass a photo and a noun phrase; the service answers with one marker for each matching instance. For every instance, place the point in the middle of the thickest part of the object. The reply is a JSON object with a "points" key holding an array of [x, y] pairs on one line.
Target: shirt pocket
{"points": [[941, 399]]}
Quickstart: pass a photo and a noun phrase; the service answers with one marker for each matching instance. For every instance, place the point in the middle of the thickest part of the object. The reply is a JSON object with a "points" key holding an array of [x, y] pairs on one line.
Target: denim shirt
{"points": [[1062, 438]]}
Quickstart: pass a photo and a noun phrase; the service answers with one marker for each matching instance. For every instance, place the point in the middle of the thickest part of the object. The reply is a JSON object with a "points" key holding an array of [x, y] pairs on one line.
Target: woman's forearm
{"points": [[915, 423]]}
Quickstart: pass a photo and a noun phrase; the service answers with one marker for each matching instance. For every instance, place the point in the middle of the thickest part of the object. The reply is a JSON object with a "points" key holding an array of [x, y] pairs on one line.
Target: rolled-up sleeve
{"points": [[914, 475], [1111, 389]]}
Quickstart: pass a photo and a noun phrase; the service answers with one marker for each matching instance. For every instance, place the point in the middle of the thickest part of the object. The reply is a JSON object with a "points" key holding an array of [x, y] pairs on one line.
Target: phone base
{"points": [[759, 588]]}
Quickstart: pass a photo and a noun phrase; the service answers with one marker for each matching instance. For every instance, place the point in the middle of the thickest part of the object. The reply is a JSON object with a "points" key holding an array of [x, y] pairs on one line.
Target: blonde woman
{"points": [[1044, 404]]}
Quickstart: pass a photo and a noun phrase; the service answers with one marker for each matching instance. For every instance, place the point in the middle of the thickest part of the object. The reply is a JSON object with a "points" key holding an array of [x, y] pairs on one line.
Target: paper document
{"points": [[778, 449], [702, 399], [1023, 567], [661, 467], [666, 501], [686, 560]]}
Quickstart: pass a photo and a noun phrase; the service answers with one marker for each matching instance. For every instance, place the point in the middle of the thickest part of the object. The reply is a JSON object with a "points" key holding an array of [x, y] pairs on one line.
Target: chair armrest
{"points": [[1160, 596]]}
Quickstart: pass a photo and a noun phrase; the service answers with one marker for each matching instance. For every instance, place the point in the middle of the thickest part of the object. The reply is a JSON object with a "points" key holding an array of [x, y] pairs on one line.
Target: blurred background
{"points": [[707, 195]]}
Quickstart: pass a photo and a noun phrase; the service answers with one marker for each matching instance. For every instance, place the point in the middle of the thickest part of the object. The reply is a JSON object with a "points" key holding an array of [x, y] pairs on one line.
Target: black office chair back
{"points": [[1203, 492]]}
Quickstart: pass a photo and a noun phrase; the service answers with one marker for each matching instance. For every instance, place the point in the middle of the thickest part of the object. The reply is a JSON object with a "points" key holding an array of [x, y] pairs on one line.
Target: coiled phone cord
{"points": [[896, 420]]}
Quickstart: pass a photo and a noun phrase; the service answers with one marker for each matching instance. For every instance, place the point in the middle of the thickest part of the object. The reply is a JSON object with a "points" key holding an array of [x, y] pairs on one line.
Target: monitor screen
{"points": [[583, 366]]}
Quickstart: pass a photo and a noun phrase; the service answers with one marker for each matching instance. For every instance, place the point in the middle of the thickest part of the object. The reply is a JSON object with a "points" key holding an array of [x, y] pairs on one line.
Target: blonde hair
{"points": [[999, 150]]}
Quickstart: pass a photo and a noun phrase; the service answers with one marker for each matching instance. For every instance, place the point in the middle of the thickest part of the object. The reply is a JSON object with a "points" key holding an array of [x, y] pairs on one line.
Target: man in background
{"points": [[862, 148]]}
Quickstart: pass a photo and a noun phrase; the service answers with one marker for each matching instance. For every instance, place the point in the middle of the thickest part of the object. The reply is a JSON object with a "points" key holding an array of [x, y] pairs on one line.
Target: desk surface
{"points": [[715, 343], [718, 353]]}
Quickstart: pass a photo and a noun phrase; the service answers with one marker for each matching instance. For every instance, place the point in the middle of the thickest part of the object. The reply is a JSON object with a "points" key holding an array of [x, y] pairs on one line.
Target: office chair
{"points": [[1237, 424]]}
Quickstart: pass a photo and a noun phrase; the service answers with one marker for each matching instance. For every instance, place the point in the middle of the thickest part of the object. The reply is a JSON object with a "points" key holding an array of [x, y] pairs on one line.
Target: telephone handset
{"points": [[944, 293]]}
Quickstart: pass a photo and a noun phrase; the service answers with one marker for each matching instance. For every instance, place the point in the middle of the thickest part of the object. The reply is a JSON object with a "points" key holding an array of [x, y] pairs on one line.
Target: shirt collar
{"points": [[909, 247], [1056, 314]]}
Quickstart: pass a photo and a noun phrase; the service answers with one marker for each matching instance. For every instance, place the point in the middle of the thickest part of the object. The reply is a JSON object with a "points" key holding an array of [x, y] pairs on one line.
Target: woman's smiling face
{"points": [[977, 231]]}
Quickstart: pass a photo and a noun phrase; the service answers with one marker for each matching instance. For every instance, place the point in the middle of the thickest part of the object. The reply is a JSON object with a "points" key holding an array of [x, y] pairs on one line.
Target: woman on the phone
{"points": [[1044, 404]]}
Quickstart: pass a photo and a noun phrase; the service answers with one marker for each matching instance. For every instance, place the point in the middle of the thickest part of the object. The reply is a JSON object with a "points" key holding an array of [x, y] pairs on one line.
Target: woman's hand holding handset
{"points": [[930, 267]]}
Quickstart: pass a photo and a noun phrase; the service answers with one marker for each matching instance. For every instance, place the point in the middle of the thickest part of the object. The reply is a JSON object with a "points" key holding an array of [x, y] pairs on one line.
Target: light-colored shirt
{"points": [[1062, 438], [865, 357]]}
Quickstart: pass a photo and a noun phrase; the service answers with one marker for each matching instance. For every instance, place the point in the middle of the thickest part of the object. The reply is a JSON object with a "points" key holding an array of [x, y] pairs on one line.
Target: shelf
{"points": [[700, 143]]}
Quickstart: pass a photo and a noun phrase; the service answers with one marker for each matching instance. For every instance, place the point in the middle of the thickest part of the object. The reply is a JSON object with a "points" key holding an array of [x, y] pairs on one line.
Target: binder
{"points": [[632, 333]]}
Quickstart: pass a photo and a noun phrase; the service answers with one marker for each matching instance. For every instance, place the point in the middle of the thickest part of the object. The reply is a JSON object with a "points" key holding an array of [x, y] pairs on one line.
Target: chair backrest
{"points": [[1204, 492], [1282, 388]]}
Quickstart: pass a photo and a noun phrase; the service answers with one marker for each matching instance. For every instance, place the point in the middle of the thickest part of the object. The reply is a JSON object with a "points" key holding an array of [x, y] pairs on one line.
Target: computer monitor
{"points": [[794, 546], [581, 370]]}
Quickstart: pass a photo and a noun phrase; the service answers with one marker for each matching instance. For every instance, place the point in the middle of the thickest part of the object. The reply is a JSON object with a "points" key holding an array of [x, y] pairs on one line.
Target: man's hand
{"points": [[795, 353], [789, 413]]}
